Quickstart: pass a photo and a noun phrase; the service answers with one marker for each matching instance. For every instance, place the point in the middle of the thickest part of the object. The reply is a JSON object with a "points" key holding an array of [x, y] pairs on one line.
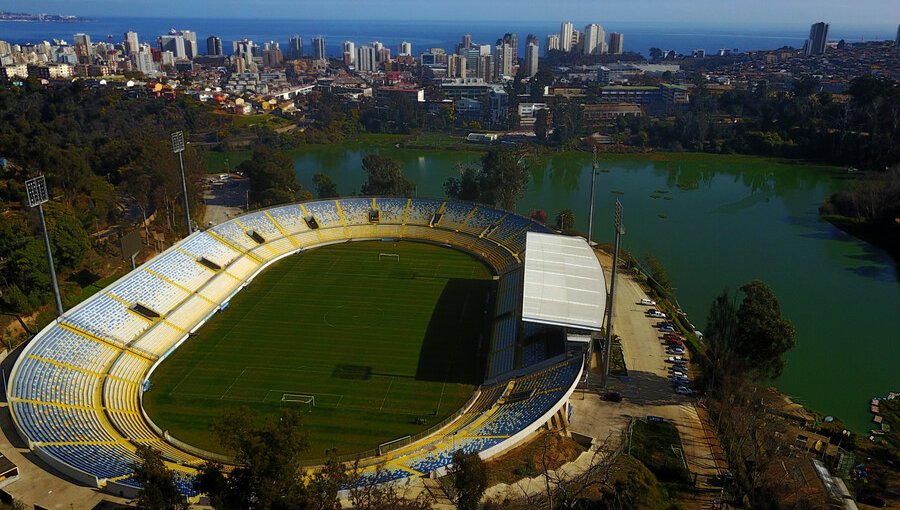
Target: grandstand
{"points": [[75, 391]]}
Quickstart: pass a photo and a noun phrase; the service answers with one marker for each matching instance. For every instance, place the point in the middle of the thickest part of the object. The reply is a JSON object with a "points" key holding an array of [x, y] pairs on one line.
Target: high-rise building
{"points": [[576, 40], [131, 43], [553, 42], [531, 58], [593, 39], [405, 48], [295, 47], [349, 52], [467, 41], [272, 56], [818, 36], [143, 60], [456, 66], [190, 43], [365, 59], [173, 43], [214, 46], [503, 61], [616, 43], [485, 69], [897, 40], [513, 42], [565, 36], [318, 44], [83, 48]]}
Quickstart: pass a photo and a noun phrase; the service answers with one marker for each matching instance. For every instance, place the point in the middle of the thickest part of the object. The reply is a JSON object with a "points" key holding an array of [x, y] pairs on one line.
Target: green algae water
{"points": [[716, 222]]}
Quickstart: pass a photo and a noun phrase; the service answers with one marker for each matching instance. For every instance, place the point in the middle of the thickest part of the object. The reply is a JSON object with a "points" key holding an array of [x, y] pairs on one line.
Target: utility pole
{"points": [[591, 208], [36, 193], [620, 231], [178, 148]]}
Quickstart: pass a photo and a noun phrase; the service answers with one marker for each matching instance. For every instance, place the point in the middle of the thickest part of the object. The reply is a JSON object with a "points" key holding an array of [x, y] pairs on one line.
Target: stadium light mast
{"points": [[591, 207], [178, 148], [620, 231], [36, 193]]}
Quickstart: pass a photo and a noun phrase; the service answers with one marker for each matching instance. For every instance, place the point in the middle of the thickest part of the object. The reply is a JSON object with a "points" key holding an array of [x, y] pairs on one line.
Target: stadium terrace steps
{"points": [[75, 390]]}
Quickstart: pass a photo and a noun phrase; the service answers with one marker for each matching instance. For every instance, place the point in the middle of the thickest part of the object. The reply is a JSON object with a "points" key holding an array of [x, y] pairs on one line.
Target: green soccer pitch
{"points": [[385, 335]]}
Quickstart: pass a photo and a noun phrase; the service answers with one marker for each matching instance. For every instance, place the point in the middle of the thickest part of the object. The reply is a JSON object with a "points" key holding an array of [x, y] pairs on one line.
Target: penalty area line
{"points": [[232, 383]]}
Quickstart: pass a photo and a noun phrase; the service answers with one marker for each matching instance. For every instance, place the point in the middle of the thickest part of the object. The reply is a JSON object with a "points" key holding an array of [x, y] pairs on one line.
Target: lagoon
{"points": [[716, 222]]}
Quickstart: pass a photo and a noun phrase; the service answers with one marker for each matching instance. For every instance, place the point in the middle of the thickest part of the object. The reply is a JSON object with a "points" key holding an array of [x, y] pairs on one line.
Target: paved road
{"points": [[224, 202], [647, 389]]}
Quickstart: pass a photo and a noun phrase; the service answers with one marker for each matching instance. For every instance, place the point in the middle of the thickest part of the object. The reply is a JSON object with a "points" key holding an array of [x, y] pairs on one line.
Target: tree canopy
{"points": [[384, 177], [268, 456], [273, 179], [500, 181], [159, 491], [469, 476], [747, 341]]}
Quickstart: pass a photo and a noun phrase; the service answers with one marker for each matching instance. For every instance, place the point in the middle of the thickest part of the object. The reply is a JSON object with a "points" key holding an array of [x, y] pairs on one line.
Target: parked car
{"points": [[647, 302], [674, 359], [612, 396], [667, 329], [683, 390], [656, 419], [675, 350], [656, 315]]}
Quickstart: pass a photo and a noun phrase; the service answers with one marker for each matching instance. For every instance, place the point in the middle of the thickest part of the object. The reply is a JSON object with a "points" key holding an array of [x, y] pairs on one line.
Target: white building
{"points": [[349, 52], [566, 30], [365, 59]]}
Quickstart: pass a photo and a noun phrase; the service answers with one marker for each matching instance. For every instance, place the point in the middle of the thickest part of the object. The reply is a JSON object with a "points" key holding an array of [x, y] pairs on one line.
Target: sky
{"points": [[862, 13]]}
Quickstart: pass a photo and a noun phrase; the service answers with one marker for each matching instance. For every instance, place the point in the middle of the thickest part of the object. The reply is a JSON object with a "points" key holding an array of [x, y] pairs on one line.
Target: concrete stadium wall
{"points": [[71, 472]]}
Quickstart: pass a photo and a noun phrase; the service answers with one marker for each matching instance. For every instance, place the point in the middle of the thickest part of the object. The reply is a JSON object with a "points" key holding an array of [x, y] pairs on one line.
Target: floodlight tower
{"points": [[36, 192], [178, 148], [591, 207], [620, 231]]}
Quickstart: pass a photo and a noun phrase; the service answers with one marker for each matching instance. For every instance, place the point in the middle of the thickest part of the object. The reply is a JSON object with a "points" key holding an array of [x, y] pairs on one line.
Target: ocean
{"points": [[639, 36]]}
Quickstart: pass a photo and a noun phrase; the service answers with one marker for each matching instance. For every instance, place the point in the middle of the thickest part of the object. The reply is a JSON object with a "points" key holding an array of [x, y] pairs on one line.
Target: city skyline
{"points": [[861, 13]]}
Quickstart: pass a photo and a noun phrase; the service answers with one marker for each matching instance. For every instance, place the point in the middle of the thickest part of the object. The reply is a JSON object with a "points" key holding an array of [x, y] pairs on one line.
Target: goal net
{"points": [[298, 399], [389, 256]]}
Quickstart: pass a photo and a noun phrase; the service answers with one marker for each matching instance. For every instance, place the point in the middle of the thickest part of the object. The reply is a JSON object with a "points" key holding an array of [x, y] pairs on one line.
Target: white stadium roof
{"points": [[564, 283]]}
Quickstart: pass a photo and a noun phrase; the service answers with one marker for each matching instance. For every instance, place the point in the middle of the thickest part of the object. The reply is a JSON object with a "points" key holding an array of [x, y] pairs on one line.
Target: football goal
{"points": [[389, 256], [304, 401]]}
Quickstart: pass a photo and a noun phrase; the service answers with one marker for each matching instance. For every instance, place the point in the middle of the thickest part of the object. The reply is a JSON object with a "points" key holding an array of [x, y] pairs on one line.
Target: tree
{"points": [[747, 342], [501, 181], [466, 186], [541, 124], [385, 177], [763, 335], [327, 482], [70, 241], [659, 277], [268, 460], [469, 476], [211, 481], [159, 491], [368, 494], [273, 179], [325, 186], [565, 220]]}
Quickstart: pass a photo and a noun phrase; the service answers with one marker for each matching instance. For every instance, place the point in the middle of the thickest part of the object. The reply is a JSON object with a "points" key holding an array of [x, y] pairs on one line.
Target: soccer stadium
{"points": [[404, 329]]}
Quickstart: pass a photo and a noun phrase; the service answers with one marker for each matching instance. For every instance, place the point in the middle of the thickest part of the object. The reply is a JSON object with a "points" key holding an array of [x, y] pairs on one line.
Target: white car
{"points": [[675, 350], [674, 359], [648, 302], [656, 315]]}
